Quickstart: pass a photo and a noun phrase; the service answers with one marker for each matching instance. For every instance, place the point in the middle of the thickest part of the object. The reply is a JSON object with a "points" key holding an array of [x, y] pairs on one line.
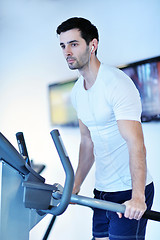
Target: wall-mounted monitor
{"points": [[146, 76], [61, 109]]}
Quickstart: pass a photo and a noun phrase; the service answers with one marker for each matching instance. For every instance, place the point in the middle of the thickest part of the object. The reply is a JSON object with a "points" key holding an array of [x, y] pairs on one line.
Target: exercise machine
{"points": [[25, 198]]}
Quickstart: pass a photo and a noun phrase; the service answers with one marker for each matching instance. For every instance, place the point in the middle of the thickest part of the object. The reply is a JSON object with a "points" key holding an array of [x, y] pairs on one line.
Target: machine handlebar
{"points": [[69, 181], [110, 206]]}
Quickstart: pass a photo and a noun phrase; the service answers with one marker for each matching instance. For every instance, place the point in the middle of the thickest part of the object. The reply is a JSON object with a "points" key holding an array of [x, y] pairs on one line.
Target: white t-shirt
{"points": [[112, 97]]}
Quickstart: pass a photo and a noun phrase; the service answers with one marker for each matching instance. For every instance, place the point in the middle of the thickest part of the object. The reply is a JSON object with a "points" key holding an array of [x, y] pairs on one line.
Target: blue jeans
{"points": [[108, 224]]}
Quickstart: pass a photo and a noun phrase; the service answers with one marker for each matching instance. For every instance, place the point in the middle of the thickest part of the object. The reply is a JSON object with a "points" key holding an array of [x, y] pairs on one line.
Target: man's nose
{"points": [[67, 51]]}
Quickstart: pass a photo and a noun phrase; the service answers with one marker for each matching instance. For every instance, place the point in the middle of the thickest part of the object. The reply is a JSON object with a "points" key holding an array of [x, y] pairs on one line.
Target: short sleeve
{"points": [[73, 98], [125, 99]]}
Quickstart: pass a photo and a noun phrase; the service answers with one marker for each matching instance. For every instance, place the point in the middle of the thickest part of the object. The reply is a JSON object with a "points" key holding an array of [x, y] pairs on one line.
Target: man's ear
{"points": [[93, 45]]}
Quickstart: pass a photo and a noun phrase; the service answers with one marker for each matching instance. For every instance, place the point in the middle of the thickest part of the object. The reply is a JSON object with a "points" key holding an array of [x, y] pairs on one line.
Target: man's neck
{"points": [[90, 72]]}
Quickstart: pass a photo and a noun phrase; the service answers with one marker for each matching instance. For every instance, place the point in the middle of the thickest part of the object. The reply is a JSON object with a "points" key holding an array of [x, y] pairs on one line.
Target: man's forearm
{"points": [[132, 132], [136, 206], [138, 170], [86, 160]]}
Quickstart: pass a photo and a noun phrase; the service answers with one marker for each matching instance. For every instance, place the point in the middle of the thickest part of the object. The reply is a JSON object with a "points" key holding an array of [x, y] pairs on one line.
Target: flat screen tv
{"points": [[146, 76], [61, 109]]}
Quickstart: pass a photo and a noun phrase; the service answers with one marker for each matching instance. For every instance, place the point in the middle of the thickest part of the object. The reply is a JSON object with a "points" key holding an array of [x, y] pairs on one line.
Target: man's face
{"points": [[75, 49]]}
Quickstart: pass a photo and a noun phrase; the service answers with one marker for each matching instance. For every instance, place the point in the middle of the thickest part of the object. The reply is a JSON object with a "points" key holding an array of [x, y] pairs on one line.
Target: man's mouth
{"points": [[70, 60]]}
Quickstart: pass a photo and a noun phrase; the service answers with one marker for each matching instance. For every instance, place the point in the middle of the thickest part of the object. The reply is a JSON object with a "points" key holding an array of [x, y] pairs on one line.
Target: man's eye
{"points": [[74, 44], [63, 46]]}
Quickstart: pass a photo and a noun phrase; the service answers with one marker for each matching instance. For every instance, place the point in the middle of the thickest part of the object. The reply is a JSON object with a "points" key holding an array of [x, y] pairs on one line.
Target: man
{"points": [[109, 109]]}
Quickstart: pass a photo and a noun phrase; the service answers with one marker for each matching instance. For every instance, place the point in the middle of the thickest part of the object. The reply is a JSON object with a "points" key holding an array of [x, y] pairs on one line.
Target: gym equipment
{"points": [[25, 197]]}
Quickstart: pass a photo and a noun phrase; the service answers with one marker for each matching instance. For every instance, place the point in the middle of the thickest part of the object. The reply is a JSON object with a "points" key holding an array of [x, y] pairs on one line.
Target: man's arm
{"points": [[131, 131], [86, 157]]}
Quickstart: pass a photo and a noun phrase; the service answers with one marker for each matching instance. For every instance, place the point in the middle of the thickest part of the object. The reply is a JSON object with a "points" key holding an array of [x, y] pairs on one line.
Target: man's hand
{"points": [[135, 208], [76, 189]]}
